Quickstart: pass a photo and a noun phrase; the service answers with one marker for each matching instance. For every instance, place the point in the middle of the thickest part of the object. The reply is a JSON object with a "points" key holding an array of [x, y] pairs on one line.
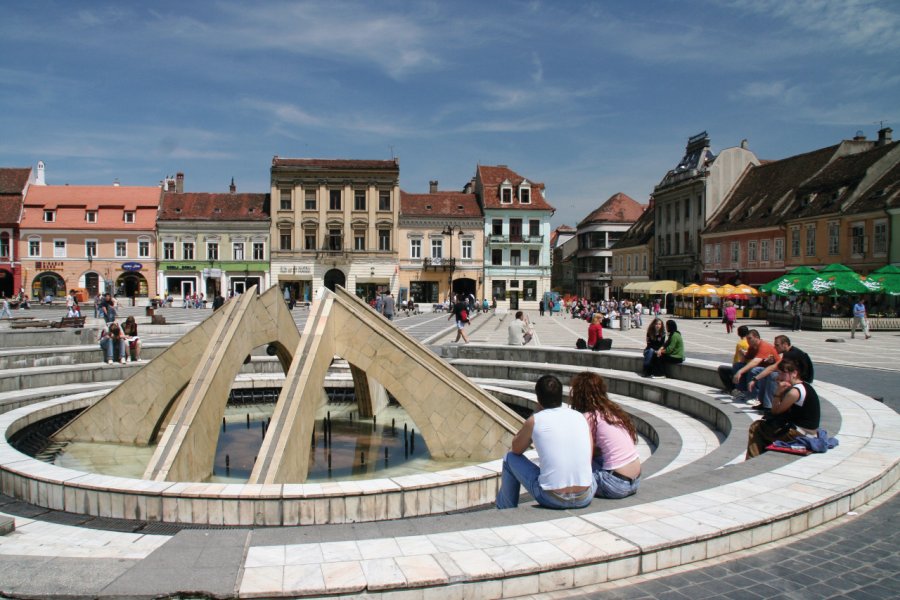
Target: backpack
{"points": [[464, 316], [581, 344]]}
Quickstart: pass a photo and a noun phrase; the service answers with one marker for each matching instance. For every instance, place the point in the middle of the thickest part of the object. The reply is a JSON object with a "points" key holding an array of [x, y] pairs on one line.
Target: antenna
{"points": [[392, 151]]}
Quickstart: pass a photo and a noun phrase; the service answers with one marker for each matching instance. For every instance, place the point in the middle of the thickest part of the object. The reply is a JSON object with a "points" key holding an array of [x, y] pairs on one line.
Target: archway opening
{"points": [[46, 284], [131, 285], [335, 277]]}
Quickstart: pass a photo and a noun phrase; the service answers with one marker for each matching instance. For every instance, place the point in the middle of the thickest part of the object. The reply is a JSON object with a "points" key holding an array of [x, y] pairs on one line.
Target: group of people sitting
{"points": [[120, 342], [664, 346]]}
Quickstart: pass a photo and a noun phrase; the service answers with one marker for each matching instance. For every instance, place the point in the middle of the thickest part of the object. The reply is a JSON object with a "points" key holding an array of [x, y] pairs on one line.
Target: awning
{"points": [[652, 287]]}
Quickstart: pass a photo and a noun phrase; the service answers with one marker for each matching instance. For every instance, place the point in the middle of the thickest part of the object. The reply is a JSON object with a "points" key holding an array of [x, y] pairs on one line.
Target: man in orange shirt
{"points": [[761, 355]]}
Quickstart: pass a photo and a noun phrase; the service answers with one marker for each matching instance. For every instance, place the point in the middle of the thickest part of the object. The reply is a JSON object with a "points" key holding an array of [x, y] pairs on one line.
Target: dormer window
{"points": [[506, 192], [49, 216], [129, 216], [90, 216], [525, 192]]}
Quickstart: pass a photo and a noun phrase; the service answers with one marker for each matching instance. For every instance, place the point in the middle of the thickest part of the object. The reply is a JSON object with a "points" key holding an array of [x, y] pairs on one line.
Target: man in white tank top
{"points": [[563, 443]]}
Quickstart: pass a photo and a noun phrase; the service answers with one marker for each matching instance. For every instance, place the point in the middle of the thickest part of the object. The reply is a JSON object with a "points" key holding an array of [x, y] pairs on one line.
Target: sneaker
{"points": [[736, 393], [109, 362], [868, 336], [122, 361], [738, 397], [753, 402], [657, 377]]}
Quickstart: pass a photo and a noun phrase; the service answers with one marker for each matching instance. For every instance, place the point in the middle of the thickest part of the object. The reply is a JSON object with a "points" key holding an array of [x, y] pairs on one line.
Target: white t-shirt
{"points": [[516, 333], [563, 442]]}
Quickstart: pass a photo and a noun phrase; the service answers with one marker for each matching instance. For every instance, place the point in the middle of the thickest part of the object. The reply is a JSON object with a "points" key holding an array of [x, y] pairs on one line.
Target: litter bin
{"points": [[626, 322], [150, 311]]}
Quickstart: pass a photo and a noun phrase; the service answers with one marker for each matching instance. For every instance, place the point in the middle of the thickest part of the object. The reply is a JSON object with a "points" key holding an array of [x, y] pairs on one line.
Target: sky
{"points": [[588, 98]]}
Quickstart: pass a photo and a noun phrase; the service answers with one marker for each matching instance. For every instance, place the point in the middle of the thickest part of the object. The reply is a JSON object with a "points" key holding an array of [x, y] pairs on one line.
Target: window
{"points": [[212, 251], [834, 238], [34, 247], [359, 240], [496, 226], [415, 249], [310, 200], [534, 257], [644, 264], [718, 254], [4, 245], [437, 248], [735, 253], [90, 216], [496, 257], [514, 283], [237, 251], [751, 251], [534, 228], [187, 251], [259, 251], [880, 242], [168, 250], [628, 264], [779, 249], [144, 248], [90, 248], [359, 199], [309, 239], [707, 253], [506, 195], [384, 200], [677, 244], [59, 248], [858, 239], [530, 287], [668, 243], [795, 242], [335, 239], [129, 216], [764, 251], [687, 241], [334, 200], [122, 249], [668, 213], [285, 200], [384, 239], [515, 257], [285, 241], [467, 249], [525, 194], [687, 209], [515, 230], [49, 216], [811, 239]]}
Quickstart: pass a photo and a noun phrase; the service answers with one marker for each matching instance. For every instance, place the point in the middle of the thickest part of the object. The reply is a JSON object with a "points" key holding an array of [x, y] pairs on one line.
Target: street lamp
{"points": [[450, 230]]}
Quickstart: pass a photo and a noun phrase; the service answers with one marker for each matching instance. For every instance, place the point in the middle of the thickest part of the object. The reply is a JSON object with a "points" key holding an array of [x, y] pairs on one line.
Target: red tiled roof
{"points": [[336, 163], [439, 204], [12, 182], [71, 202], [492, 177], [766, 192], [884, 193], [619, 208], [214, 207]]}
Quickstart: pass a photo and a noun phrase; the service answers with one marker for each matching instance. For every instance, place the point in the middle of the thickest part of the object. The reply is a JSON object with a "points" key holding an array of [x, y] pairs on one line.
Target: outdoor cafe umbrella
{"points": [[837, 279], [885, 280], [790, 283]]}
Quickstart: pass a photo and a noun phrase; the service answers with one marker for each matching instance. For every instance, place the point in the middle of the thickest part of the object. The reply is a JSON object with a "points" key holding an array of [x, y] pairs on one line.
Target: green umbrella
{"points": [[884, 280], [790, 283], [837, 278]]}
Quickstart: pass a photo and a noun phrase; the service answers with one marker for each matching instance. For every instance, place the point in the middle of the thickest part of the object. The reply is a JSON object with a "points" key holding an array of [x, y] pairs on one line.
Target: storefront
{"points": [[131, 283], [179, 280]]}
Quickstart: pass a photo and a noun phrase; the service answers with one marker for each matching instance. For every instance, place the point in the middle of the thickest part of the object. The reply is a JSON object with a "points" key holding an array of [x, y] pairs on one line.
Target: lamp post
{"points": [[450, 230]]}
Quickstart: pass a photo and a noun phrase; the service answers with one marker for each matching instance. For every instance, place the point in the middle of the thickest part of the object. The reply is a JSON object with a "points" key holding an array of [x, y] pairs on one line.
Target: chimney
{"points": [[433, 186], [40, 174], [744, 144], [859, 137], [232, 188], [179, 183], [116, 182], [885, 136]]}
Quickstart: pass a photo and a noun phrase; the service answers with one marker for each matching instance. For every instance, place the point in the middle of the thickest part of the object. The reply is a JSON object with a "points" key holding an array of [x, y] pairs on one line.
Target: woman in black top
{"points": [[656, 339], [795, 411]]}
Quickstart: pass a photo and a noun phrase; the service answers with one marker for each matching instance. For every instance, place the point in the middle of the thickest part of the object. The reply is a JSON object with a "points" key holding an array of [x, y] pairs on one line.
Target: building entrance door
{"points": [[187, 288], [514, 301]]}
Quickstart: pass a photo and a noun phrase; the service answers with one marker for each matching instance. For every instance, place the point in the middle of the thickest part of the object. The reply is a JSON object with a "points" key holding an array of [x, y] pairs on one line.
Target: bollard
{"points": [[329, 462], [362, 458], [248, 420], [223, 424], [412, 441], [385, 456]]}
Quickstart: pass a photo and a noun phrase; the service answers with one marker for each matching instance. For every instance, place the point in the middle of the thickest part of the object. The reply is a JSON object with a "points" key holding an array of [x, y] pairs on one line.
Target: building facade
{"points": [[563, 249], [335, 222], [597, 234], [94, 238], [441, 246], [632, 255], [212, 243], [517, 237], [685, 199], [14, 184]]}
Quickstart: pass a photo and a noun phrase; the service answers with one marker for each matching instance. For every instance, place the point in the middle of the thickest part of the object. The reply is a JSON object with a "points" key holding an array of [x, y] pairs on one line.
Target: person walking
{"points": [[387, 307], [4, 307], [541, 308], [462, 319], [730, 316], [860, 318]]}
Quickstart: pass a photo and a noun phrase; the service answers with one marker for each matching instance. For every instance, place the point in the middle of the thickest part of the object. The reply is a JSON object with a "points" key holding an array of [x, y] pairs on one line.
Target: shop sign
{"points": [[48, 265], [181, 268], [306, 270], [132, 266]]}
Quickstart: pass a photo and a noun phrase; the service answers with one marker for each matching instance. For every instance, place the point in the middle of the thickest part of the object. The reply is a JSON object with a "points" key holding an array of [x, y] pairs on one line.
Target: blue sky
{"points": [[590, 98]]}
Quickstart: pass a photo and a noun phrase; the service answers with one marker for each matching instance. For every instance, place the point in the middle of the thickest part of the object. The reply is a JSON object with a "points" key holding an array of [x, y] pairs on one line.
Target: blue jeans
{"points": [[612, 486], [765, 390], [518, 470], [106, 344]]}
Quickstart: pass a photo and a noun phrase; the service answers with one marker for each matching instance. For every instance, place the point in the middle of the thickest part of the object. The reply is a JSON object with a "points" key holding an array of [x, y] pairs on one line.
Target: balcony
{"points": [[438, 263], [515, 239]]}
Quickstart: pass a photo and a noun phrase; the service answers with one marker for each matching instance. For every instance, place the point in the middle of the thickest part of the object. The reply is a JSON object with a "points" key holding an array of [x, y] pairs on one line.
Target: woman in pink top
{"points": [[729, 316], [616, 465]]}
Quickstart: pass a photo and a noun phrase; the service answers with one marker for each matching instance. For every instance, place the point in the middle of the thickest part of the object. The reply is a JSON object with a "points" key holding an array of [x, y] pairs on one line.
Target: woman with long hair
{"points": [[595, 332], [130, 329], [656, 339], [615, 462]]}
